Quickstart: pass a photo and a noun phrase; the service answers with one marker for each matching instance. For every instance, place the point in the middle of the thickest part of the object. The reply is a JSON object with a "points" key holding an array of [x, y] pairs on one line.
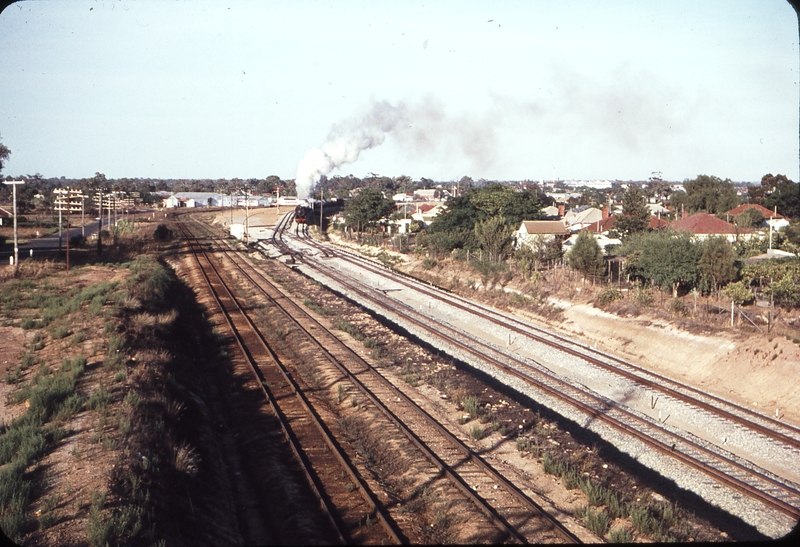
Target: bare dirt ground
{"points": [[757, 370]]}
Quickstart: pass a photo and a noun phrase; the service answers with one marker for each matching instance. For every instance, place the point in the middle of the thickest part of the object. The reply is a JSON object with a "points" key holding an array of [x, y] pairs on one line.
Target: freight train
{"points": [[309, 214]]}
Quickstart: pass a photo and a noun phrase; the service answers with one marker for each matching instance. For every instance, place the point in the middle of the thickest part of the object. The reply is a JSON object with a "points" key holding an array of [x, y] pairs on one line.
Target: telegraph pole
{"points": [[13, 184], [66, 200], [62, 205], [246, 217]]}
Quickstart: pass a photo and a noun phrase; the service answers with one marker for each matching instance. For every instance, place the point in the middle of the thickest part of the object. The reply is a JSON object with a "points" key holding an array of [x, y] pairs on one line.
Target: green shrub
{"points": [[37, 342], [70, 406], [596, 521], [678, 307], [99, 399], [23, 441], [60, 332], [642, 520], [620, 534], [643, 296], [98, 529], [132, 398], [29, 323], [350, 329], [477, 432], [96, 305], [595, 494], [608, 296], [13, 374], [370, 343], [28, 360], [471, 406], [115, 358], [46, 516], [45, 392]]}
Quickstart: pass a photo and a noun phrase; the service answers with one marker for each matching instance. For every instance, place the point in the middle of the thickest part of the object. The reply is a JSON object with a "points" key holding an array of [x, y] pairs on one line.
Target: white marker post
{"points": [[13, 184]]}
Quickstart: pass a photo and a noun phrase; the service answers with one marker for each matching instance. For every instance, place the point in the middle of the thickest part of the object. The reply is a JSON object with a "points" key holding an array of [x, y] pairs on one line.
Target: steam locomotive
{"points": [[309, 214]]}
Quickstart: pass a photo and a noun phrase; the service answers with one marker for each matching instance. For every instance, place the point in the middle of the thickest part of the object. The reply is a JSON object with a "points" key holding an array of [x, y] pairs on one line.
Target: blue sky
{"points": [[495, 90]]}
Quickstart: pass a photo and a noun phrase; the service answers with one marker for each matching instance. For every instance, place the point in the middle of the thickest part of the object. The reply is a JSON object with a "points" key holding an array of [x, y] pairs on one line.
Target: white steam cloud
{"points": [[346, 141], [639, 115], [422, 129]]}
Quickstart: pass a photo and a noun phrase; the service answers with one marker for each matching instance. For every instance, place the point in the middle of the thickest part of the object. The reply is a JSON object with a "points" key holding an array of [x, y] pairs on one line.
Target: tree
{"points": [[738, 292], [786, 197], [476, 205], [465, 183], [749, 218], [707, 194], [665, 258], [635, 215], [717, 263], [367, 208], [494, 236], [585, 256], [658, 188], [4, 153], [770, 182]]}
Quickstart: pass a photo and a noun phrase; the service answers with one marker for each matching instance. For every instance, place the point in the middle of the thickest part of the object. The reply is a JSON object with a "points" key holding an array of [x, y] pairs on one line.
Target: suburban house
{"points": [[657, 209], [535, 232], [553, 212], [425, 194], [705, 225], [579, 219], [771, 218], [602, 227], [602, 240], [427, 212]]}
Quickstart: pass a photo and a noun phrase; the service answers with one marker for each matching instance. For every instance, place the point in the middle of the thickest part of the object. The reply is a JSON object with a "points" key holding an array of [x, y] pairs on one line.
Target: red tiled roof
{"points": [[657, 223], [603, 226], [760, 208], [706, 223]]}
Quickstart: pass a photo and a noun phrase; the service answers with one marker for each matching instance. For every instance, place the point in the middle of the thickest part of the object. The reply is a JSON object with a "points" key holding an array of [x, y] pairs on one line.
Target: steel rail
{"points": [[568, 346], [733, 482], [499, 521], [369, 498]]}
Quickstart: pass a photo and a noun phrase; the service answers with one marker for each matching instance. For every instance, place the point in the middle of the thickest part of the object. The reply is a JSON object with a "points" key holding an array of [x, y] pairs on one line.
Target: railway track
{"points": [[747, 479], [348, 509], [516, 517], [770, 428]]}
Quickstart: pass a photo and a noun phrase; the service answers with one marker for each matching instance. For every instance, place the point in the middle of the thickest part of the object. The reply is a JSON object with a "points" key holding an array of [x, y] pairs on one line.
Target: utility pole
{"points": [[99, 198], [246, 216], [67, 200], [62, 204], [13, 184], [278, 203]]}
